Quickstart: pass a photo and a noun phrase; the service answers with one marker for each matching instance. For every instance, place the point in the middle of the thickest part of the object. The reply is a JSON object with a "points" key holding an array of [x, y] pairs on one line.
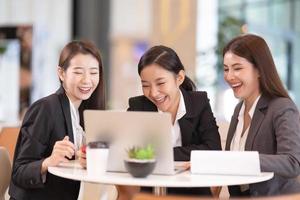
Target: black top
{"points": [[198, 129], [46, 121]]}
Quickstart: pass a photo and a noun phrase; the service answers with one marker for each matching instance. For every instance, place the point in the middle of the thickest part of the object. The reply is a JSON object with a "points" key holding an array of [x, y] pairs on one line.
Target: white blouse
{"points": [[176, 132], [78, 132], [239, 141]]}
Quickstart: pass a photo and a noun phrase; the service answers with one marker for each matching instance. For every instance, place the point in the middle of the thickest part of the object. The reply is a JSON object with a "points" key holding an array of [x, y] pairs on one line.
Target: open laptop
{"points": [[124, 130]]}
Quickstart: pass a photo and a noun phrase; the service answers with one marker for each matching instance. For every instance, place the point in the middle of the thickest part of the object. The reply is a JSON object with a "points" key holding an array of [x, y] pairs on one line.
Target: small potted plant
{"points": [[141, 161]]}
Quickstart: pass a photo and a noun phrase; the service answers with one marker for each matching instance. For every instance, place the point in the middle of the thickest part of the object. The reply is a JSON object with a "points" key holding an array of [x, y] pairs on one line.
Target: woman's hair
{"points": [[97, 99], [166, 58], [256, 51]]}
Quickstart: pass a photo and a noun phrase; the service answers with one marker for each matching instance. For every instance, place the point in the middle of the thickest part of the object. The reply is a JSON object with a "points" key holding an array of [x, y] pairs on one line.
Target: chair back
{"points": [[5, 171], [8, 139]]}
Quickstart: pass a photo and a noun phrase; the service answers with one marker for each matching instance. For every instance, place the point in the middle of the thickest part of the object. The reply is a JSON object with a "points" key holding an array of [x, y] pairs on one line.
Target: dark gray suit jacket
{"points": [[46, 121], [275, 133]]}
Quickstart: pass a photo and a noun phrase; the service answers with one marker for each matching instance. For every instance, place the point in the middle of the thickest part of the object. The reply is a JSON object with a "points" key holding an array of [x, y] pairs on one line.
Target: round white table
{"points": [[74, 171]]}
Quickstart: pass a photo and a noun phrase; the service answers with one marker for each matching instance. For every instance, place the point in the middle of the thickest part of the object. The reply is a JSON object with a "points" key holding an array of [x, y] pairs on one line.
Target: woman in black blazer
{"points": [[166, 88], [198, 127], [52, 127]]}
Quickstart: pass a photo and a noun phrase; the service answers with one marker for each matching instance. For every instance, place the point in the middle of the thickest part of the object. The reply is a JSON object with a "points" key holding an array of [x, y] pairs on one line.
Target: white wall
{"points": [[51, 20], [9, 82], [131, 18], [130, 25]]}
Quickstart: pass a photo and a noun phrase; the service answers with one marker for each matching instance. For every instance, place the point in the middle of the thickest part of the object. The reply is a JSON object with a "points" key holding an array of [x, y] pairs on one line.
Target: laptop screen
{"points": [[123, 130]]}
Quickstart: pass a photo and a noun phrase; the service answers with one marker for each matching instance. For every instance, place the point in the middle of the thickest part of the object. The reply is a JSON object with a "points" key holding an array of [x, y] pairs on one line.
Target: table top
{"points": [[74, 171]]}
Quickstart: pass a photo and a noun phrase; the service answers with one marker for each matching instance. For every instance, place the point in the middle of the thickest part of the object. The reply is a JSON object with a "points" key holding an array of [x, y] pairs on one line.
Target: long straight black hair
{"points": [[97, 99], [168, 59]]}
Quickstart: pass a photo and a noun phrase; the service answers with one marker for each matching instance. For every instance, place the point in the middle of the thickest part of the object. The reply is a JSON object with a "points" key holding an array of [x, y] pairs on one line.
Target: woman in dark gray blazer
{"points": [[52, 127], [266, 120], [166, 88]]}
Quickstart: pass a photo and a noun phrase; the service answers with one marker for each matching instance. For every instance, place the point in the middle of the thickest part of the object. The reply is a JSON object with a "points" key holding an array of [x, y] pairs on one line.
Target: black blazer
{"points": [[198, 129], [46, 121]]}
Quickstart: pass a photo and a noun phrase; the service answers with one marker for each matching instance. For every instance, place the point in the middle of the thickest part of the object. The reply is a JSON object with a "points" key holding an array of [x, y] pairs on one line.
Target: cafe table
{"points": [[74, 171]]}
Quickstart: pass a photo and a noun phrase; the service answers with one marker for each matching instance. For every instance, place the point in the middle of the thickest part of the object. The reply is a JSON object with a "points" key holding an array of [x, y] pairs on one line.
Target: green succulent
{"points": [[2, 50], [3, 47], [141, 153]]}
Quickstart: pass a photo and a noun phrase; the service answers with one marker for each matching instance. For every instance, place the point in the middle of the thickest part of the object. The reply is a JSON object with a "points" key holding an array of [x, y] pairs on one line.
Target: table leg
{"points": [[160, 191]]}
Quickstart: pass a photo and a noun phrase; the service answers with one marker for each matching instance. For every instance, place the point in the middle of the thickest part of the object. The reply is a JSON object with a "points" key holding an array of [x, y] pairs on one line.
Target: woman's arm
{"points": [[205, 134], [286, 124], [30, 150]]}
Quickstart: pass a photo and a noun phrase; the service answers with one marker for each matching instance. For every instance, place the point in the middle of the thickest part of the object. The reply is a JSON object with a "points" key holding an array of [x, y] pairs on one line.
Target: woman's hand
{"points": [[81, 154], [187, 165], [62, 150]]}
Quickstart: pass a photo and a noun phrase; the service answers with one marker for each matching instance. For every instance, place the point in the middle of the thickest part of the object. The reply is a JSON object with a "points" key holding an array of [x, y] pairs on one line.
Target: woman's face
{"points": [[81, 78], [242, 77], [162, 87]]}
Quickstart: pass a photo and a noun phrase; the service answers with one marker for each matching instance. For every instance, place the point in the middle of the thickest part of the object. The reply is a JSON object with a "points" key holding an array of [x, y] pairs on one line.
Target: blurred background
{"points": [[33, 32]]}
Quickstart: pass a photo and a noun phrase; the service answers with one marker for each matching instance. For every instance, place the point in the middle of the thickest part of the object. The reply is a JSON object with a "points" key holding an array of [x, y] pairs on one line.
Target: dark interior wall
{"points": [[91, 22]]}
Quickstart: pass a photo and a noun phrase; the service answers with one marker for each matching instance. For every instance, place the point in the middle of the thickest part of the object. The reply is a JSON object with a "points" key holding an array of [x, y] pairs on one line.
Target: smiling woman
{"points": [[52, 128], [239, 73], [81, 78], [266, 120], [166, 88]]}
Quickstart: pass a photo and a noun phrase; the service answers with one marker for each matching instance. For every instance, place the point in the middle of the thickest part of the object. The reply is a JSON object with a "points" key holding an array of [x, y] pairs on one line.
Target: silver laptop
{"points": [[124, 130]]}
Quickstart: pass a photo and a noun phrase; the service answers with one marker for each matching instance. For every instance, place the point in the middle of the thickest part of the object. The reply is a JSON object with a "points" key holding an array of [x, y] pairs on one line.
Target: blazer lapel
{"points": [[232, 127], [258, 118], [65, 105], [185, 123], [185, 127]]}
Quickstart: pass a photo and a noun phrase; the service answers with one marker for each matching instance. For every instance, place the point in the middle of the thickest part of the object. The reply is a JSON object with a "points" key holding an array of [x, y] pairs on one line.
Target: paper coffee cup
{"points": [[97, 157]]}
